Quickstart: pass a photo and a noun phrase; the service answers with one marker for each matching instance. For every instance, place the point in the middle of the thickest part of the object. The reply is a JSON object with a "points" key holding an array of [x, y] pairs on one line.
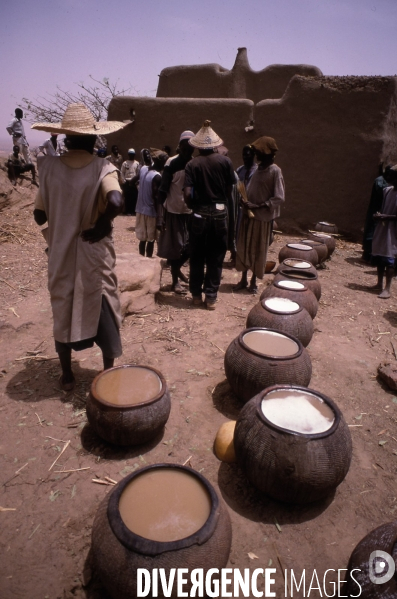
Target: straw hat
{"points": [[78, 120], [206, 138]]}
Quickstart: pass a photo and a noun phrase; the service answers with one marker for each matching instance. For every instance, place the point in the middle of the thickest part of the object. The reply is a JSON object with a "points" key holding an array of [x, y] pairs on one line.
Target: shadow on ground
{"points": [[246, 500], [95, 445], [39, 379], [225, 401]]}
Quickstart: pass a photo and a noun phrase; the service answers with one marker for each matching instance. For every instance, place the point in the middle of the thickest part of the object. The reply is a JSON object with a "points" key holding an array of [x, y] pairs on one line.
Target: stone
{"points": [[388, 374], [138, 282]]}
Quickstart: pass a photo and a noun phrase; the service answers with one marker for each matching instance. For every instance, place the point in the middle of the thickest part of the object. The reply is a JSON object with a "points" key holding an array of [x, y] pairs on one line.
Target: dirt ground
{"points": [[46, 515]]}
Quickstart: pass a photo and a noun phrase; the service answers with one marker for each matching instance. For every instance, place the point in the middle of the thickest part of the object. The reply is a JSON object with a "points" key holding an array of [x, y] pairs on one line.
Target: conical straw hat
{"points": [[78, 120], [206, 138]]}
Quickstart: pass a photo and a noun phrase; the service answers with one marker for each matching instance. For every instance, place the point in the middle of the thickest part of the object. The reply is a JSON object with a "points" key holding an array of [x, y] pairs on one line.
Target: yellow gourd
{"points": [[224, 444]]}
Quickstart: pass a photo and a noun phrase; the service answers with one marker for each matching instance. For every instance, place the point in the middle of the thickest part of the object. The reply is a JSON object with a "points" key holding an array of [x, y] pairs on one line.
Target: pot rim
{"points": [[240, 340], [135, 542], [103, 402], [325, 398], [262, 302], [298, 268], [277, 284], [292, 244], [309, 275], [312, 242]]}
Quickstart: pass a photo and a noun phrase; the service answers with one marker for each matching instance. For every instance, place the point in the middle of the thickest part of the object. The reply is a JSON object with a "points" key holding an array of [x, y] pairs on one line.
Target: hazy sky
{"points": [[46, 43]]}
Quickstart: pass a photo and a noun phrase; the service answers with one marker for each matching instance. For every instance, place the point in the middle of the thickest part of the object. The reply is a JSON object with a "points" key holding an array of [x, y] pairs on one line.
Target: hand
{"points": [[160, 228], [251, 206], [101, 229]]}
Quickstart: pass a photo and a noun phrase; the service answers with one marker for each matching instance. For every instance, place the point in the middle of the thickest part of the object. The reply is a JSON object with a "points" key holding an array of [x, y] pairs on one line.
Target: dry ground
{"points": [[45, 535]]}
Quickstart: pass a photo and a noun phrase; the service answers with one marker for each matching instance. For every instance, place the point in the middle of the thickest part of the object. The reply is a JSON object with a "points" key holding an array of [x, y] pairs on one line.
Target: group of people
{"points": [[196, 207]]}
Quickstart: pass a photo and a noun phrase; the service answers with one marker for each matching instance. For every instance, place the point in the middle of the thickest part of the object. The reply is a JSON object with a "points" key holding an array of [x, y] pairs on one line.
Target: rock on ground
{"points": [[139, 281]]}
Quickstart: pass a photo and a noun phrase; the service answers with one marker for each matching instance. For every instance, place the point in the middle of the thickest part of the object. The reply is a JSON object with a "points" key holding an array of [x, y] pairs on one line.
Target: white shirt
{"points": [[49, 148], [15, 128], [129, 169]]}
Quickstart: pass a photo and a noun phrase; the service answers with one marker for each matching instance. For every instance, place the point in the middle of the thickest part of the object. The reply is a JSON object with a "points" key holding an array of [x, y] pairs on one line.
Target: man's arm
{"points": [[103, 226]]}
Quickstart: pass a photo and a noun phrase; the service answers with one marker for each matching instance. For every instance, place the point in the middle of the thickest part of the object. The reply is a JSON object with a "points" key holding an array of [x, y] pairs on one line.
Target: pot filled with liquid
{"points": [[260, 357], [300, 251], [293, 443], [319, 246], [327, 239], [284, 316], [309, 279], [128, 405], [326, 227], [162, 516], [296, 264], [295, 291]]}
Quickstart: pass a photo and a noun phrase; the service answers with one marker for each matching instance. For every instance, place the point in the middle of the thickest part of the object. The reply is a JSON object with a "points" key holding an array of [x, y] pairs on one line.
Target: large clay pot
{"points": [[296, 264], [383, 538], [286, 463], [284, 316], [327, 239], [118, 551], [259, 358], [326, 227], [295, 291], [319, 246], [134, 415], [298, 250], [310, 279]]}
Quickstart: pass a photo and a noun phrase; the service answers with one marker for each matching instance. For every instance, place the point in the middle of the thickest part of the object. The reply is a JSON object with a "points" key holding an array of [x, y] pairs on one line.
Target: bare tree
{"points": [[96, 96]]}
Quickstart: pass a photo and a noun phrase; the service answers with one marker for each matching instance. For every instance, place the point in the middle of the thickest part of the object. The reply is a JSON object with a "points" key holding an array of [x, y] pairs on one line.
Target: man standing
{"points": [[265, 193], [115, 157], [16, 129], [174, 236], [79, 197], [16, 165], [129, 177], [208, 185], [51, 146]]}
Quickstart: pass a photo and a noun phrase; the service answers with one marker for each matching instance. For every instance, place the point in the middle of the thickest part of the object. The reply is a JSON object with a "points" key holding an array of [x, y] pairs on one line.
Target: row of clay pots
{"points": [[315, 249]]}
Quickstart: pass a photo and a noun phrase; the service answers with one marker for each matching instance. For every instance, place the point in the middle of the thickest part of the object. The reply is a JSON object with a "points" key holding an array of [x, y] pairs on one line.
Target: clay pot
{"points": [[327, 239], [383, 538], [284, 316], [326, 227], [287, 465], [309, 279], [249, 371], [270, 264], [295, 291], [118, 552], [131, 423], [298, 250], [296, 264], [319, 246]]}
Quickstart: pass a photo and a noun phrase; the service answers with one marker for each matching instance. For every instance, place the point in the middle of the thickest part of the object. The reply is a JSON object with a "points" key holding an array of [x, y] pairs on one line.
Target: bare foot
{"points": [[67, 382], [385, 294]]}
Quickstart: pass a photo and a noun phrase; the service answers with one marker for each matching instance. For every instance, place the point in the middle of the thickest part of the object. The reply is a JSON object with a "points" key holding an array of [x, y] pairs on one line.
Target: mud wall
{"points": [[160, 121], [332, 133], [214, 81]]}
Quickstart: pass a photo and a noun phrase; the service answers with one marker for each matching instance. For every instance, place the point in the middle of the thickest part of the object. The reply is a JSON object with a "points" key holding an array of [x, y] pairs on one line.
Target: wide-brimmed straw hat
{"points": [[206, 138], [78, 120]]}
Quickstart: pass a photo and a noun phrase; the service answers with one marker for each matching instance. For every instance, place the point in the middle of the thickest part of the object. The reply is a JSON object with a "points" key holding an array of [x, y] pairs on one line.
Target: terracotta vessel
{"points": [[251, 365], [141, 414], [296, 264], [118, 552], [319, 246], [309, 279], [383, 538], [327, 239], [295, 291], [284, 316], [326, 227], [288, 465], [298, 250]]}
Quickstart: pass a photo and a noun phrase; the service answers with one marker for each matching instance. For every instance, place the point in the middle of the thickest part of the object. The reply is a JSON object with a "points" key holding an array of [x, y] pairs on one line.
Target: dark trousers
{"points": [[130, 197], [208, 246]]}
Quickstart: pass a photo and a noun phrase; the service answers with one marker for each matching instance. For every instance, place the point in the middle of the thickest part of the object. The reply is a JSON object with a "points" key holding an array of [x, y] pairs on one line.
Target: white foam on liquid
{"points": [[290, 285], [281, 305], [299, 246], [297, 263]]}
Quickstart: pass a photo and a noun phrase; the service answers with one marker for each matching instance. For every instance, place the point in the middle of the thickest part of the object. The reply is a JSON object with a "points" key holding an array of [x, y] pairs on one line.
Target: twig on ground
{"points": [[55, 461]]}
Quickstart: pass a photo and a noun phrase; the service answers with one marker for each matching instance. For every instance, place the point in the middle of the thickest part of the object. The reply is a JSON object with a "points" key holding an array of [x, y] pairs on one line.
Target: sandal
{"points": [[253, 290], [67, 386], [240, 285]]}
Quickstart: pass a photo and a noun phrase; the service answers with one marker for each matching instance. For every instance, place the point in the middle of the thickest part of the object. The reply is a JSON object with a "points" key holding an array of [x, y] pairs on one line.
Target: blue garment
{"points": [[145, 203]]}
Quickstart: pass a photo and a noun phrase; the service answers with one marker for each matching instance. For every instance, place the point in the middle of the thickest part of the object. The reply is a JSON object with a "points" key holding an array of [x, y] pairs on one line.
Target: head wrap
{"points": [[265, 145], [158, 154], [186, 135]]}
